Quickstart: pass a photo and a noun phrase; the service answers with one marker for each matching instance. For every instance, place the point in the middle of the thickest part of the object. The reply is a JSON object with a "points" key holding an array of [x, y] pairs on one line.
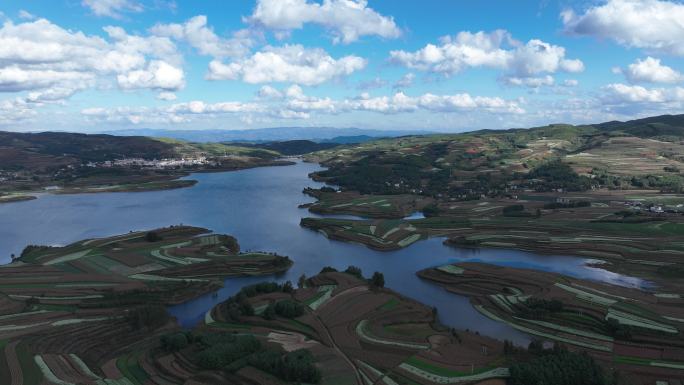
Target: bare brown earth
{"points": [[652, 348]]}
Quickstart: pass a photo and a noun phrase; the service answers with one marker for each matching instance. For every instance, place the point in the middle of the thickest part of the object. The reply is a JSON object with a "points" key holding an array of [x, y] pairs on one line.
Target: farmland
{"points": [[630, 242], [374, 206], [617, 325], [358, 333], [79, 313]]}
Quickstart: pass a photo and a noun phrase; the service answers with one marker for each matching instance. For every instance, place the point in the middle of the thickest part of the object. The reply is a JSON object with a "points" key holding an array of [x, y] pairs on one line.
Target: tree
{"points": [[559, 367], [378, 280], [152, 236], [301, 282], [355, 271]]}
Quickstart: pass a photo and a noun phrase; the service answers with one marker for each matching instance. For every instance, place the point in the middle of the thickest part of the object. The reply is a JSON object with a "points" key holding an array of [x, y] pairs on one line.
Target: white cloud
{"points": [[268, 92], [626, 93], [43, 57], [200, 107], [623, 93], [201, 37], [651, 71], [293, 103], [289, 63], [347, 20], [405, 81], [112, 8], [400, 102], [376, 82], [652, 25], [15, 110], [496, 50], [158, 75], [25, 15], [532, 82], [167, 96], [570, 83]]}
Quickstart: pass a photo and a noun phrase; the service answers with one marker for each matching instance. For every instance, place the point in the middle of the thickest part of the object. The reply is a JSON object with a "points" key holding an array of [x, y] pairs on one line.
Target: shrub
{"points": [[559, 368], [431, 210], [152, 236], [297, 366], [150, 317], [355, 271], [328, 269], [289, 309], [174, 342], [378, 280]]}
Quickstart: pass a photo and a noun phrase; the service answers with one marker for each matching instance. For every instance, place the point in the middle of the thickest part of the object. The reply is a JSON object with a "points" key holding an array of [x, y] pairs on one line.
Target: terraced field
{"points": [[607, 321], [67, 313], [372, 335]]}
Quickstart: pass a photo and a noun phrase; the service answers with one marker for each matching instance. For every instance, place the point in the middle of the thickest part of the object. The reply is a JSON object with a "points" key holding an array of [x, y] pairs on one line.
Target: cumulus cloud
{"points": [[112, 8], [293, 103], [400, 102], [157, 75], [346, 20], [268, 92], [650, 70], [54, 62], [652, 25], [173, 114], [496, 50], [637, 97], [200, 36], [532, 82], [289, 63], [15, 110]]}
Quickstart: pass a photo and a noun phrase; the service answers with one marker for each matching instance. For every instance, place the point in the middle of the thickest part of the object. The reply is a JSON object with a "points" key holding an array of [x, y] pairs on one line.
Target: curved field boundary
{"points": [[47, 372], [158, 254], [527, 330], [13, 363], [634, 320], [409, 240], [92, 296], [360, 330], [68, 257], [568, 330], [451, 269], [8, 316], [83, 366], [150, 277], [494, 373], [208, 319], [327, 291], [589, 297], [385, 379]]}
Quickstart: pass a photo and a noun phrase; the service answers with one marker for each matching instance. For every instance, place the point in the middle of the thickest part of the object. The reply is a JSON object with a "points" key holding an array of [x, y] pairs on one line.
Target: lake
{"points": [[259, 207]]}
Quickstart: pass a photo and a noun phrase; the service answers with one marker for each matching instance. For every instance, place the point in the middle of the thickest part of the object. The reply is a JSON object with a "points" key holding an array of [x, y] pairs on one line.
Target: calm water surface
{"points": [[259, 207]]}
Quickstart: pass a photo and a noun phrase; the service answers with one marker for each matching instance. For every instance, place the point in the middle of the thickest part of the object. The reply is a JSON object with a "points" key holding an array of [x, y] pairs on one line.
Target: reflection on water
{"points": [[259, 207]]}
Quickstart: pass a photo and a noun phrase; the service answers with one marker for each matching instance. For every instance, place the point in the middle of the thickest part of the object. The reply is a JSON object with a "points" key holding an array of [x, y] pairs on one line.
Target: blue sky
{"points": [[93, 65]]}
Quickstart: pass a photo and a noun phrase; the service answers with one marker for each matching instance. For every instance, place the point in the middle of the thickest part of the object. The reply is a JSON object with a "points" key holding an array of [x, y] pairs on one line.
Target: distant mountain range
{"points": [[316, 134]]}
